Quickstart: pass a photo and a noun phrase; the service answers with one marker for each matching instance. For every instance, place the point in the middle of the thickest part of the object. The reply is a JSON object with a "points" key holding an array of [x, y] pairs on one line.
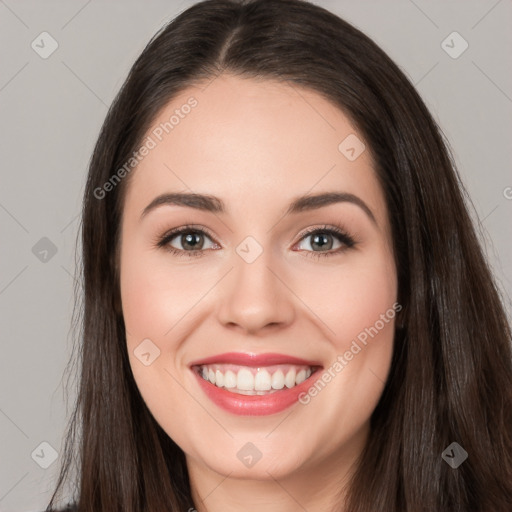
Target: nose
{"points": [[255, 297]]}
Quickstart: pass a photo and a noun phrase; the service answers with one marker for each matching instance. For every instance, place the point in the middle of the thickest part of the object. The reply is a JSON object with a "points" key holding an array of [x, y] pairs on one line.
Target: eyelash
{"points": [[342, 236]]}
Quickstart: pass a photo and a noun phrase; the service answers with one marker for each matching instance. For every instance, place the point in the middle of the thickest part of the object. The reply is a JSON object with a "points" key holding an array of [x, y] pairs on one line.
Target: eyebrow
{"points": [[215, 205]]}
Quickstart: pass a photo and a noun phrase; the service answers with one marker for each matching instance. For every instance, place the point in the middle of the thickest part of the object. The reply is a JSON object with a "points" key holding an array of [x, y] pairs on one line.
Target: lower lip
{"points": [[254, 405]]}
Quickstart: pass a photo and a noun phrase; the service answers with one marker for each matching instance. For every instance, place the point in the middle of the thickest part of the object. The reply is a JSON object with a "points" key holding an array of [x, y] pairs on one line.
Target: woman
{"points": [[286, 305]]}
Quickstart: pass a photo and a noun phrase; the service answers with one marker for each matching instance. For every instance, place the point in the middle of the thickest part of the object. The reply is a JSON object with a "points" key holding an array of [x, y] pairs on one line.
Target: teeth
{"points": [[245, 380], [255, 381], [262, 381], [229, 379], [289, 380], [278, 380]]}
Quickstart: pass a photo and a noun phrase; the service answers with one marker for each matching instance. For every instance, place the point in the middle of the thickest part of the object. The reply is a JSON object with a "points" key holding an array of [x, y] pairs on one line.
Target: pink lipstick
{"points": [[254, 384]]}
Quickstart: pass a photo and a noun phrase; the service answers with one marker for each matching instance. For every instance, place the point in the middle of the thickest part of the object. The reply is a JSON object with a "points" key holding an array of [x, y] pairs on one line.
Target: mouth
{"points": [[254, 384]]}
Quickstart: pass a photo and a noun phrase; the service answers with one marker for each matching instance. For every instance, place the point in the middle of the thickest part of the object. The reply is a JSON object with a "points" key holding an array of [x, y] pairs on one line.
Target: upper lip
{"points": [[253, 360]]}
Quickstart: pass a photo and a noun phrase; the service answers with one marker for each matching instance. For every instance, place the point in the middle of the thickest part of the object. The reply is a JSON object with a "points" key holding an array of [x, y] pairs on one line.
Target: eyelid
{"points": [[164, 239], [337, 232]]}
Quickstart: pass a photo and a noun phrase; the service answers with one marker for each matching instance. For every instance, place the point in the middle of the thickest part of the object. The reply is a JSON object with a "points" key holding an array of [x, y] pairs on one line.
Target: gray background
{"points": [[50, 114]]}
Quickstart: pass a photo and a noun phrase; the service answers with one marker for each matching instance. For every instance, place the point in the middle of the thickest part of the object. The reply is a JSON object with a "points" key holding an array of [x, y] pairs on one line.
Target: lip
{"points": [[254, 360], [254, 405]]}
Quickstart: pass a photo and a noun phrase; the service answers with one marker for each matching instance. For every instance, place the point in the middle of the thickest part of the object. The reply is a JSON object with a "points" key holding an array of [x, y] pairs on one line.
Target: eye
{"points": [[323, 239], [190, 241]]}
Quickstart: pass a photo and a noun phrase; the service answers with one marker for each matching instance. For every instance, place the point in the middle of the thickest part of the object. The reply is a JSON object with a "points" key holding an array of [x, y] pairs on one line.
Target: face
{"points": [[259, 325]]}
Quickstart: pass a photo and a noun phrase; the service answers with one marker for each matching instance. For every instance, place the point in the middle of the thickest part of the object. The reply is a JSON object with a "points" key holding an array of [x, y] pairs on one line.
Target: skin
{"points": [[257, 145]]}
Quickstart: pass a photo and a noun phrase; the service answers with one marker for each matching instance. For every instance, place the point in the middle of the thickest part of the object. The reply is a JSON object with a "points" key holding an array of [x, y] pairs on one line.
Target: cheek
{"points": [[359, 307], [154, 299], [367, 300], [155, 294], [151, 298], [351, 299], [145, 300]]}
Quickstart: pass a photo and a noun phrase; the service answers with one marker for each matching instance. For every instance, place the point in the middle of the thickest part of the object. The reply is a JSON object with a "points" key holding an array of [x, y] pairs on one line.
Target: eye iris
{"points": [[322, 240], [189, 240]]}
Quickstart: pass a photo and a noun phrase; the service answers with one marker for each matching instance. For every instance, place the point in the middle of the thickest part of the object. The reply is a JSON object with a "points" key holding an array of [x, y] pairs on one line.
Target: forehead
{"points": [[255, 142]]}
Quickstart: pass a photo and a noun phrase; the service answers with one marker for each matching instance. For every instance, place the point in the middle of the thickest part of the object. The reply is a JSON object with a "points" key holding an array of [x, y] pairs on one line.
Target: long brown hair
{"points": [[451, 374]]}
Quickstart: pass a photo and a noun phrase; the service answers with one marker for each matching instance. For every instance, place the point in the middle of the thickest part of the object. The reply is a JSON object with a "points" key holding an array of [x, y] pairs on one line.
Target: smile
{"points": [[254, 384]]}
